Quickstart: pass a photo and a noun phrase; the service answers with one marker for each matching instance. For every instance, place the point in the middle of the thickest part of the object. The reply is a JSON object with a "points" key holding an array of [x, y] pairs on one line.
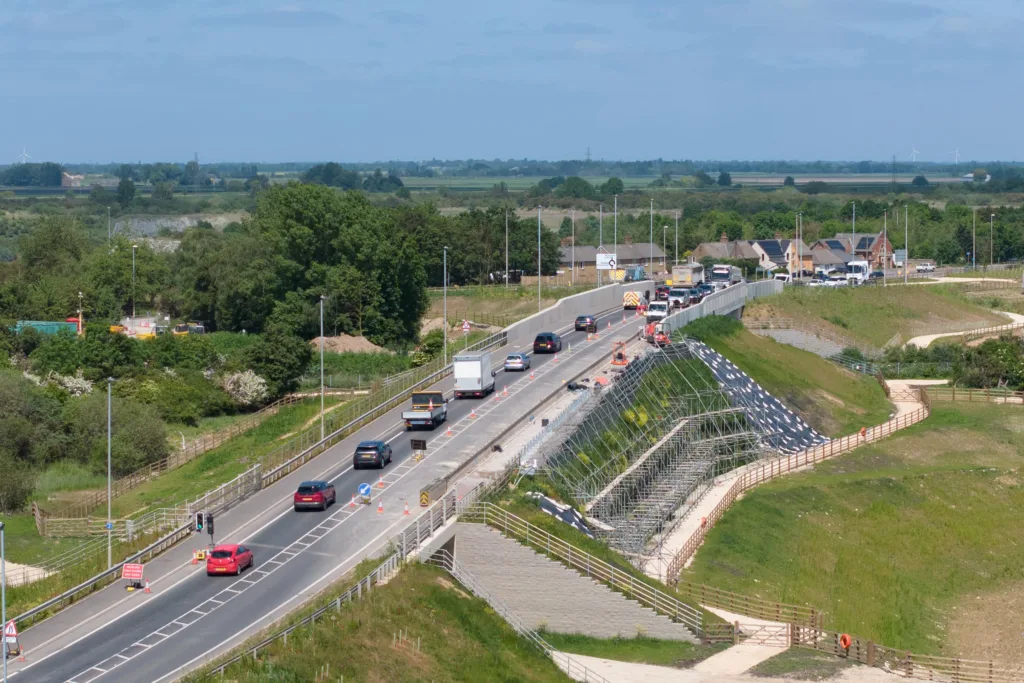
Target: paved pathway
{"points": [[925, 339]]}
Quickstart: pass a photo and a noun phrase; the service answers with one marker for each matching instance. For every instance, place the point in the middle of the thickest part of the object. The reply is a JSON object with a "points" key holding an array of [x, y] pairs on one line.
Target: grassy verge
{"points": [[797, 664], [914, 541], [875, 314], [222, 463], [834, 401], [460, 639], [638, 650]]}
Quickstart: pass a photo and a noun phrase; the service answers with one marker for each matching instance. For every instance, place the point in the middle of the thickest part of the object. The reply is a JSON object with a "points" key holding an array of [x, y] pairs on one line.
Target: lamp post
{"points": [[506, 248], [110, 235], [991, 218], [538, 258], [600, 240], [974, 241], [3, 596], [664, 246], [615, 233], [652, 239], [677, 238], [110, 523], [322, 297], [134, 247], [906, 243], [81, 323], [885, 246], [574, 247], [444, 285]]}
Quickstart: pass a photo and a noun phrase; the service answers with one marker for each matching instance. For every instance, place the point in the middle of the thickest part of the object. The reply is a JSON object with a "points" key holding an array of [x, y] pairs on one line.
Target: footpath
{"points": [[924, 340]]}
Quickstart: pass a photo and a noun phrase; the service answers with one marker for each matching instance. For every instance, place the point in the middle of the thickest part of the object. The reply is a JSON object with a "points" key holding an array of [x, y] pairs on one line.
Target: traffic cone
{"points": [[21, 653], [194, 558], [609, 324], [380, 506], [556, 359], [472, 413], [590, 337], [448, 431], [531, 374], [406, 511], [380, 481], [146, 589], [504, 391], [353, 503], [623, 318]]}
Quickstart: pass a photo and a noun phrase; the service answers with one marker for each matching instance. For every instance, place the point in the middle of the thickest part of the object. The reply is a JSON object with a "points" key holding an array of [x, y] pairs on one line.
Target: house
{"points": [[724, 250], [828, 259], [629, 254], [870, 248]]}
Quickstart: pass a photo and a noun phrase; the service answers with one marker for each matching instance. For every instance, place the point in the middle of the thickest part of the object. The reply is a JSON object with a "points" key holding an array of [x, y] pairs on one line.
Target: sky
{"points": [[265, 80]]}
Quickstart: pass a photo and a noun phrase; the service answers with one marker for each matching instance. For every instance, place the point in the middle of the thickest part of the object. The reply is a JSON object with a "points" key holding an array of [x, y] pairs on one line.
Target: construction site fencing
{"points": [[592, 567], [903, 662], [756, 474], [364, 586], [574, 669]]}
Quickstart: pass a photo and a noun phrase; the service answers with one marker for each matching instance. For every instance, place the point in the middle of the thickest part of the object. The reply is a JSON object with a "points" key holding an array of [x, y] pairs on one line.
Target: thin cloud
{"points": [[578, 28], [399, 18]]}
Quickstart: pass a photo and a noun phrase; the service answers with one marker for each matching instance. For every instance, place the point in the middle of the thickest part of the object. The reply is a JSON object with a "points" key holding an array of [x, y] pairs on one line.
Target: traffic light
{"points": [[209, 523], [199, 522]]}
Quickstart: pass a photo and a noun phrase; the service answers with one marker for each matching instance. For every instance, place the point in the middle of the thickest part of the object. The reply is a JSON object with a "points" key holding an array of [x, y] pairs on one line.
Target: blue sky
{"points": [[104, 80]]}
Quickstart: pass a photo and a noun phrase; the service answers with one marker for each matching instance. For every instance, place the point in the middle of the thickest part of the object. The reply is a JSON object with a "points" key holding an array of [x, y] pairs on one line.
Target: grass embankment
{"points": [[496, 305], [460, 638], [638, 650], [834, 401], [797, 664], [914, 541], [223, 463], [873, 315]]}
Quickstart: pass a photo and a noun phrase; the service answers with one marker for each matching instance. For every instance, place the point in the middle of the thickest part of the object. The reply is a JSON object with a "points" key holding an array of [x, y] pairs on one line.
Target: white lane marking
{"points": [[257, 531]]}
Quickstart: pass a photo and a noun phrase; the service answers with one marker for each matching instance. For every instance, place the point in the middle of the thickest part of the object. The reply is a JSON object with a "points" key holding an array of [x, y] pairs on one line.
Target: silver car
{"points": [[518, 362]]}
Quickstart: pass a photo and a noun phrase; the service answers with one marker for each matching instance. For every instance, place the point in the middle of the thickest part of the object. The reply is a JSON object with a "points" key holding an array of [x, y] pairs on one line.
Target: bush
{"points": [[193, 352], [280, 358], [139, 436], [246, 387]]}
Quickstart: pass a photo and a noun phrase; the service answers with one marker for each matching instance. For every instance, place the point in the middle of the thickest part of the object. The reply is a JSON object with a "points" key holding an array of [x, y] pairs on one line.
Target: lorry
{"points": [[687, 275], [729, 275], [429, 409], [858, 272], [473, 374]]}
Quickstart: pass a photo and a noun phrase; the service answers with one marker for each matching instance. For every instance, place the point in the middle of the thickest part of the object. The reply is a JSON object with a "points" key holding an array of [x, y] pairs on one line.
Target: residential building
{"points": [[725, 250], [870, 247], [629, 254]]}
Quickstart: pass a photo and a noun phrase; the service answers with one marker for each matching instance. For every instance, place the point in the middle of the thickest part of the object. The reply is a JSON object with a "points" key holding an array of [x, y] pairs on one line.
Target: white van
{"points": [[657, 310], [783, 277]]}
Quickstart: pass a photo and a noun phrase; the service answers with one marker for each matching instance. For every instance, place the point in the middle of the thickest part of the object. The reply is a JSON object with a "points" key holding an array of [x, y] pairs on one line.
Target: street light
{"points": [[322, 297], [574, 247], [506, 248], [974, 241], [652, 239], [538, 258], [677, 238], [990, 252], [664, 245], [81, 323], [444, 327], [615, 234], [3, 597], [110, 523], [134, 247]]}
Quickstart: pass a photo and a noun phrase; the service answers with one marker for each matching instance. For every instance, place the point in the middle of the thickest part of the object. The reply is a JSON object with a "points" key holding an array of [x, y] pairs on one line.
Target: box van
{"points": [[473, 375]]}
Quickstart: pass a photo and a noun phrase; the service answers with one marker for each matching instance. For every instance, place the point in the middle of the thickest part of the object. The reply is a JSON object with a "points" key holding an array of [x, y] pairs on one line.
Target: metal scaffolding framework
{"points": [[634, 454]]}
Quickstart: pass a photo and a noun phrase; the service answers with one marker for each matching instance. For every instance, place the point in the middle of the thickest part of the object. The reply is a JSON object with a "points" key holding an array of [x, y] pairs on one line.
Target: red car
{"points": [[228, 559], [315, 494]]}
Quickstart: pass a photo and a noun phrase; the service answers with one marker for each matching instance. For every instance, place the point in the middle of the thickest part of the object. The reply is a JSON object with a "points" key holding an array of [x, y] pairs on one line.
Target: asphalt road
{"points": [[190, 616]]}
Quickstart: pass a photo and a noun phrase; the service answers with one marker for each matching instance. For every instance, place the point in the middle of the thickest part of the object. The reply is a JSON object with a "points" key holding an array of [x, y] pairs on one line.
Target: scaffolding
{"points": [[634, 454]]}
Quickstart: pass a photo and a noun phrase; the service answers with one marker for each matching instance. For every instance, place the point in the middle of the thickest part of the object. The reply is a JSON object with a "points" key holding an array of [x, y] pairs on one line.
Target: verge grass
{"points": [[834, 401], [460, 638], [639, 650], [895, 541], [875, 314], [798, 664]]}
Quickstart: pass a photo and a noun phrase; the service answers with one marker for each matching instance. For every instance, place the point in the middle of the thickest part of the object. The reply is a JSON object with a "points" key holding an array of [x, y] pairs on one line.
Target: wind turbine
{"points": [[956, 156], [23, 157], [913, 153]]}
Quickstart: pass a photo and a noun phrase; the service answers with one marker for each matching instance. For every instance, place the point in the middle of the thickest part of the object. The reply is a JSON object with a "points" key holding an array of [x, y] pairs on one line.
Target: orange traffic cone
{"points": [[406, 511], [504, 391], [556, 359], [472, 413], [531, 374], [380, 506], [195, 560], [380, 482], [609, 324], [623, 318], [353, 503], [146, 589], [21, 653], [448, 431]]}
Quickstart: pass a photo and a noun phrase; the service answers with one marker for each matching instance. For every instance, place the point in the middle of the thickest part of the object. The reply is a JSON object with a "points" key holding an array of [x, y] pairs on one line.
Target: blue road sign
{"points": [[364, 490], [109, 525]]}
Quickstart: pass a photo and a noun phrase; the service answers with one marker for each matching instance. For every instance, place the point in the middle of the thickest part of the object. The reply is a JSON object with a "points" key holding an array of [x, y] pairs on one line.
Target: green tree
{"points": [[724, 179], [565, 227], [163, 190], [612, 186], [703, 179], [576, 188], [919, 181], [125, 192], [789, 182], [279, 358]]}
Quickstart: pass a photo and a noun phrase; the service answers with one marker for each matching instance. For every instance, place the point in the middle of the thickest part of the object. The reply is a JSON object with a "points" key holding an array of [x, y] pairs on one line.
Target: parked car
{"points": [[517, 362], [314, 494], [837, 281], [374, 453], [229, 559], [583, 321], [926, 267], [547, 342]]}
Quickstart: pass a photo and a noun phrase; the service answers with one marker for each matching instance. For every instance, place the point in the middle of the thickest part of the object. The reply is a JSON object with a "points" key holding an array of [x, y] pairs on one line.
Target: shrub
{"points": [[246, 387], [712, 326], [280, 358]]}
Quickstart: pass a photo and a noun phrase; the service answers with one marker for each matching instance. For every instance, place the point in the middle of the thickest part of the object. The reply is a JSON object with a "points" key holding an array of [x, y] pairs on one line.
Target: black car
{"points": [[583, 321], [547, 342], [371, 453], [661, 292], [315, 494]]}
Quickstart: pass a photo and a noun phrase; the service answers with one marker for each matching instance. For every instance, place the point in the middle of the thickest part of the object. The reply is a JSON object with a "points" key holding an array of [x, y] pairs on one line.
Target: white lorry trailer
{"points": [[429, 409], [473, 374]]}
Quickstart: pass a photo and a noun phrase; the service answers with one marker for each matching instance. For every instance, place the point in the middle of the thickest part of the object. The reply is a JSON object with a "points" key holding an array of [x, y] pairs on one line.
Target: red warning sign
{"points": [[11, 632], [131, 572]]}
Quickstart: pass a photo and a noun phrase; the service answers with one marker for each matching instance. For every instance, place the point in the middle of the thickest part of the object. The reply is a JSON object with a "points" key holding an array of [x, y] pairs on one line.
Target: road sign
{"points": [[418, 444], [424, 498], [108, 526], [465, 326], [11, 632], [364, 490], [606, 261], [131, 572]]}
